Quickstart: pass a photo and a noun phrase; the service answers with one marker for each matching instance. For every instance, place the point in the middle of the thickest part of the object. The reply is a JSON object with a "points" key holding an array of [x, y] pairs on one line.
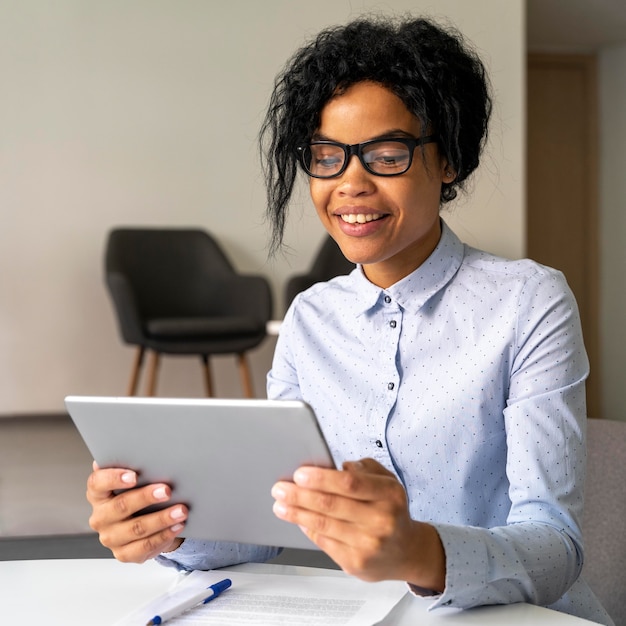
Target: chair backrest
{"points": [[604, 519], [171, 271], [328, 263]]}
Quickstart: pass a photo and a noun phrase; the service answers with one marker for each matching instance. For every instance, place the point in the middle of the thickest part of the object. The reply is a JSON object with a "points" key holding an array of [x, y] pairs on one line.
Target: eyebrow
{"points": [[389, 134]]}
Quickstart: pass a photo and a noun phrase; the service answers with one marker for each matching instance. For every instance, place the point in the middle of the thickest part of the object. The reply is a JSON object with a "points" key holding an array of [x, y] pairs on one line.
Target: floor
{"points": [[44, 465], [43, 468]]}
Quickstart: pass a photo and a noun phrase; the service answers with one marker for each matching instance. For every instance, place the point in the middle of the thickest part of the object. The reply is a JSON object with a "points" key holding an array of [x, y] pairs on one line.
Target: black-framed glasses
{"points": [[388, 156]]}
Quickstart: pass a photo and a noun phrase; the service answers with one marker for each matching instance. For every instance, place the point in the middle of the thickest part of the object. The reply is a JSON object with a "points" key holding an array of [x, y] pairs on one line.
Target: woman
{"points": [[448, 382]]}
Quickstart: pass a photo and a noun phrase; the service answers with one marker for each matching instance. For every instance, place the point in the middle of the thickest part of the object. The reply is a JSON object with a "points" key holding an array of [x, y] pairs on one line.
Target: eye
{"points": [[387, 156], [325, 158]]}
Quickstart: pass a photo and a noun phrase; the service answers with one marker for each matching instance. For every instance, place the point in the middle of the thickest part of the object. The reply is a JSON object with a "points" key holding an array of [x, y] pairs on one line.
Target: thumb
{"points": [[368, 466]]}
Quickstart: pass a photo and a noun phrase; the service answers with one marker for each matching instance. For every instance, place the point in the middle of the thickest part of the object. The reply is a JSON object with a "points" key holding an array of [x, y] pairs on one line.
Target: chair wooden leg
{"points": [[153, 370], [208, 382], [246, 377], [134, 374]]}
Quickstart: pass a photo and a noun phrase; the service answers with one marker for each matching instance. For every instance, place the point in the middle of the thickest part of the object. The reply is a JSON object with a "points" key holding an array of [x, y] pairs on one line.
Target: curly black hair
{"points": [[438, 77]]}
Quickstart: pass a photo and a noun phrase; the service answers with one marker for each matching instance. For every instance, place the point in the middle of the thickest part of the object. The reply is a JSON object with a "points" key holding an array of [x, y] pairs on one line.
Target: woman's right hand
{"points": [[132, 538]]}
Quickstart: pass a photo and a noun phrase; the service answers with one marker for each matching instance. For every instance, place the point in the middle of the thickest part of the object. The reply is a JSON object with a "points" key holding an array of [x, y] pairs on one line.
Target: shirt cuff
{"points": [[195, 554]]}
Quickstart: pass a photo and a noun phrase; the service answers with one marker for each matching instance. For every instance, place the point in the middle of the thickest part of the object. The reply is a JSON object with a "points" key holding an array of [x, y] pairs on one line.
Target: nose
{"points": [[355, 180]]}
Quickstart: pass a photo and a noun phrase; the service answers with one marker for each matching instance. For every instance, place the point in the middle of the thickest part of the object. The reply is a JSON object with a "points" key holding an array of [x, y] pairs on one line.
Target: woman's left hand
{"points": [[360, 518]]}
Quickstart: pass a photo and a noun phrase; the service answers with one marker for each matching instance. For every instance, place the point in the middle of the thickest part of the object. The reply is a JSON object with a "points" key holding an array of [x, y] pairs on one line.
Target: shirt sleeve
{"points": [[282, 379], [204, 555], [538, 555]]}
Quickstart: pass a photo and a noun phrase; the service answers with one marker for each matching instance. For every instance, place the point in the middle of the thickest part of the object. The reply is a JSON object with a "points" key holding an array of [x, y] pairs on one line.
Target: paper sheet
{"points": [[279, 600]]}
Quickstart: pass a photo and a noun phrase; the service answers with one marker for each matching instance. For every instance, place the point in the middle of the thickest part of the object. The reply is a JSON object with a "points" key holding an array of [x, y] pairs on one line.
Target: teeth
{"points": [[360, 218]]}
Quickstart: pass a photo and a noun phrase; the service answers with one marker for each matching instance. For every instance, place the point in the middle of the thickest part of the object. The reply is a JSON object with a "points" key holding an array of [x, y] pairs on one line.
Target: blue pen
{"points": [[202, 597]]}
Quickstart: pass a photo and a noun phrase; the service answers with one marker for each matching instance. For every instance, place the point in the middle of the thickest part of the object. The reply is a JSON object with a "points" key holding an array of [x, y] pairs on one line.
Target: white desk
{"points": [[98, 592]]}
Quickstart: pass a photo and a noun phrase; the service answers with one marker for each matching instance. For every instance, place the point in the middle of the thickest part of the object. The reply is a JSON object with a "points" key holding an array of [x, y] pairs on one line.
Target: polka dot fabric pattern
{"points": [[466, 379]]}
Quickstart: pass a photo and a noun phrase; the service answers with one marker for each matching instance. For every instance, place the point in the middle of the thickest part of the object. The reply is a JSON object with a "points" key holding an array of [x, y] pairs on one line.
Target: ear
{"points": [[448, 174]]}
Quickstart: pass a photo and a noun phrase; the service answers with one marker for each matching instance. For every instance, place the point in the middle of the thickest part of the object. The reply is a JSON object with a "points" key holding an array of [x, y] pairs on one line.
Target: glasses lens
{"points": [[387, 157], [323, 159]]}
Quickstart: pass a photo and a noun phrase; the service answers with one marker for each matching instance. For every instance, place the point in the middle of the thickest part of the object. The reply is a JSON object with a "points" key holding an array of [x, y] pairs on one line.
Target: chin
{"points": [[362, 259], [364, 249], [352, 255]]}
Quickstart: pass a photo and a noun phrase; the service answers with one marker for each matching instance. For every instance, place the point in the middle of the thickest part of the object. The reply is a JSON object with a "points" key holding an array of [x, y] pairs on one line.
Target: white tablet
{"points": [[221, 457]]}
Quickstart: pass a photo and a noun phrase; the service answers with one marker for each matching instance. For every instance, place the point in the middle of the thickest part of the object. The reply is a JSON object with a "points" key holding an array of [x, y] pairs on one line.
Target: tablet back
{"points": [[221, 457]]}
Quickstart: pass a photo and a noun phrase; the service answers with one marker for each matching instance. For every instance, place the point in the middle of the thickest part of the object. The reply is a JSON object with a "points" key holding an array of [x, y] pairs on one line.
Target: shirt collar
{"points": [[414, 290]]}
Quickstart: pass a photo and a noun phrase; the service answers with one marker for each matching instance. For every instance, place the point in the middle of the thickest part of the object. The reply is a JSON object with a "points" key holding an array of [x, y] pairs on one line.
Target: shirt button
{"points": [[387, 299], [390, 386], [379, 443], [392, 323]]}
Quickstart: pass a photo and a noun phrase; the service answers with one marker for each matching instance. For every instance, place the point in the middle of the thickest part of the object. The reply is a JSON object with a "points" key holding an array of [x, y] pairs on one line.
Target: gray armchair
{"points": [[176, 292], [604, 520]]}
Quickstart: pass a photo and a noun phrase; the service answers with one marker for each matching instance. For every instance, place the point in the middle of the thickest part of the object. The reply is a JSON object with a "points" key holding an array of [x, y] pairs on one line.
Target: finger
{"points": [[141, 537], [147, 546], [122, 506], [142, 527], [343, 540], [103, 482], [336, 515], [291, 498], [369, 466], [315, 512], [357, 535], [314, 524], [357, 482]]}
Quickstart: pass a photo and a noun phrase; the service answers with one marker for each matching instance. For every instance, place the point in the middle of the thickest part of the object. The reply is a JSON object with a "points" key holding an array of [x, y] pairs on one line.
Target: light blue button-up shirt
{"points": [[465, 379]]}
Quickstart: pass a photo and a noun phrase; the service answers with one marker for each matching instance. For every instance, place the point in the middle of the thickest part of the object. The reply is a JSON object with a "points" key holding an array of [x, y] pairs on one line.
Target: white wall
{"points": [[612, 75], [110, 113]]}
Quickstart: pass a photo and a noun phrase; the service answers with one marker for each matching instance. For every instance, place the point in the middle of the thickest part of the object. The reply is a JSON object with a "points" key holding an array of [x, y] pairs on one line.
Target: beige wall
{"points": [[612, 63], [110, 113]]}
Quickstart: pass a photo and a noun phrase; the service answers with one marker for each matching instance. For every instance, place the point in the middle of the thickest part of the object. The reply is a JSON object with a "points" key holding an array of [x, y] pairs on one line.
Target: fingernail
{"points": [[279, 509], [159, 493], [129, 478], [177, 528], [177, 513], [278, 492], [301, 477]]}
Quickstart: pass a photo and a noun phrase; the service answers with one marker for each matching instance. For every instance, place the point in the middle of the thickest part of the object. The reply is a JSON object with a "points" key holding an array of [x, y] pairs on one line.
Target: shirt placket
{"points": [[387, 379]]}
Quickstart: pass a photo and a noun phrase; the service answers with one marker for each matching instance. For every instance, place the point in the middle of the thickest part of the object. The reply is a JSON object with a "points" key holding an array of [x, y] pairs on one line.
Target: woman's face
{"points": [[397, 223]]}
